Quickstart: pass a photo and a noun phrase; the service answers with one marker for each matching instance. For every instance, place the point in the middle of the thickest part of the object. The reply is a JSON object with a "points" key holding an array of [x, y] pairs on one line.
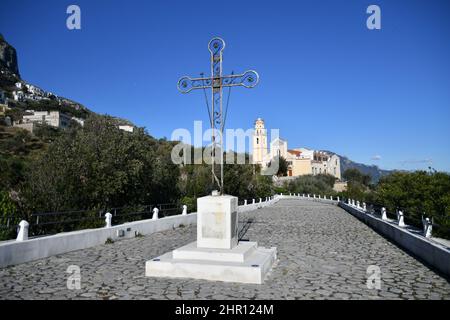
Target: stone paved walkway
{"points": [[323, 253]]}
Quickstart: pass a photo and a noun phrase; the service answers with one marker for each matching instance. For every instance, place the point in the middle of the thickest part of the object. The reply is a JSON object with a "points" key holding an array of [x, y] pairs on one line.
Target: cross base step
{"points": [[245, 263]]}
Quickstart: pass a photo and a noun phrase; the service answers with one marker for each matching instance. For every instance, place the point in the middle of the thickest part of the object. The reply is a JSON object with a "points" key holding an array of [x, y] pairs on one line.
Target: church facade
{"points": [[301, 161]]}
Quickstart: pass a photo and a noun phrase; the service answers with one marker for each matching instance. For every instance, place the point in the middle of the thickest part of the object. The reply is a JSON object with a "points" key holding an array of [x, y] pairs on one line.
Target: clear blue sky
{"points": [[326, 81]]}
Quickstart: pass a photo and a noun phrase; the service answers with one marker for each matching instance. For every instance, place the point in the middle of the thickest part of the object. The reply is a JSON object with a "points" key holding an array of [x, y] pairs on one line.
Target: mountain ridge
{"points": [[373, 170]]}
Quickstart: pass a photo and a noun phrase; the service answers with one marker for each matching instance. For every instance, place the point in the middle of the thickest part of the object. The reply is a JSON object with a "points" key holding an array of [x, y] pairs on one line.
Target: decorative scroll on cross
{"points": [[216, 82]]}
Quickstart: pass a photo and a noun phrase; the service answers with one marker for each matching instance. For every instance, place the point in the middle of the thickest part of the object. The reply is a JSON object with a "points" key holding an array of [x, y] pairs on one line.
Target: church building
{"points": [[301, 161]]}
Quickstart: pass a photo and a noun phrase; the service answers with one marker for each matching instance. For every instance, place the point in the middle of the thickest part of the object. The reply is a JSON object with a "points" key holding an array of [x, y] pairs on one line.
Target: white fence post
{"points": [[254, 201], [245, 202], [357, 205], [184, 210], [338, 199], [23, 231], [364, 206], [429, 230], [401, 220], [427, 227], [155, 214], [108, 220], [383, 214]]}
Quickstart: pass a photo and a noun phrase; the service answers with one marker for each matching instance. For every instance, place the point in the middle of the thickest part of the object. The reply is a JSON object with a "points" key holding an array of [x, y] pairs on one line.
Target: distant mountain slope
{"points": [[372, 170]]}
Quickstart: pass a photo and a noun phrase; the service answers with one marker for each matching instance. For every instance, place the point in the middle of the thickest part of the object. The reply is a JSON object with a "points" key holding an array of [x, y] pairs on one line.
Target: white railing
{"points": [[413, 240], [312, 197], [24, 249]]}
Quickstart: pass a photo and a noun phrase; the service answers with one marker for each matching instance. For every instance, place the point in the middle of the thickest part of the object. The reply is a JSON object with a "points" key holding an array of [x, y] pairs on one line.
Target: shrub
{"points": [[190, 202], [9, 218], [319, 184]]}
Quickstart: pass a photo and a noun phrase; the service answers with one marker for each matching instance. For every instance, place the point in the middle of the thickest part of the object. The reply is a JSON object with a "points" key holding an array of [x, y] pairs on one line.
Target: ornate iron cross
{"points": [[216, 82]]}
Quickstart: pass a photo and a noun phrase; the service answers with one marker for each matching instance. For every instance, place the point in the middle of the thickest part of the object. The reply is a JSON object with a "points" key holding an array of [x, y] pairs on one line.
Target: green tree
{"points": [[354, 175], [241, 180], [358, 185], [309, 184], [101, 166], [282, 166], [418, 193], [8, 216]]}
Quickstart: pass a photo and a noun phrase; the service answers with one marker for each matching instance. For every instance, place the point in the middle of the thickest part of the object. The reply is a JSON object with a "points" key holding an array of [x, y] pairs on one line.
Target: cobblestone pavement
{"points": [[323, 253]]}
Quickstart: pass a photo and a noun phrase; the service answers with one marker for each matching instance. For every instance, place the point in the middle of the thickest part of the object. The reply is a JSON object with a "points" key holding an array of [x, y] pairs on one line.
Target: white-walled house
{"points": [[305, 153], [52, 118], [127, 128], [18, 95], [34, 90], [326, 163], [78, 120]]}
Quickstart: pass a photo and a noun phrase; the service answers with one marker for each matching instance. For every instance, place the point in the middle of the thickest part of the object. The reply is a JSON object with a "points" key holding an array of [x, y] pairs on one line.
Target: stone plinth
{"points": [[217, 254], [245, 263], [238, 254], [217, 222]]}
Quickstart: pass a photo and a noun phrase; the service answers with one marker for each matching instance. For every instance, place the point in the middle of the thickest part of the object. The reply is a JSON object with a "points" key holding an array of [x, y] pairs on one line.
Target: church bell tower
{"points": [[259, 147]]}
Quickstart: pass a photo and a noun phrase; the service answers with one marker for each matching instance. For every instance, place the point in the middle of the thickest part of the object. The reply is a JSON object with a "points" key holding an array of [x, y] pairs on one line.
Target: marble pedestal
{"points": [[217, 222], [217, 254]]}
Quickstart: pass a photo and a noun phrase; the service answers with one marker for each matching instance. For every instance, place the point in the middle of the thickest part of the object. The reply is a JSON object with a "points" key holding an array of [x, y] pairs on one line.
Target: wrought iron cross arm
{"points": [[187, 84], [248, 79]]}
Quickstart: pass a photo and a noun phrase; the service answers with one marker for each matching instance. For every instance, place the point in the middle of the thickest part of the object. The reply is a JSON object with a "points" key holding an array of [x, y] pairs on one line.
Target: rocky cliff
{"points": [[24, 96], [8, 57]]}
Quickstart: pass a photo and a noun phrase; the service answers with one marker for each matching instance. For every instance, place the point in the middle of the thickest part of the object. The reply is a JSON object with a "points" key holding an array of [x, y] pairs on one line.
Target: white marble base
{"points": [[217, 222], [238, 254], [245, 263]]}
